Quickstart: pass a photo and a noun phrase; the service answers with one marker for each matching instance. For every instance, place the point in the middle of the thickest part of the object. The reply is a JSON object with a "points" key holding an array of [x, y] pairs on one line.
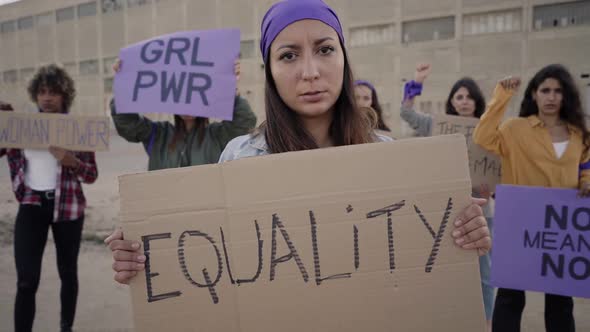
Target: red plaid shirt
{"points": [[69, 197]]}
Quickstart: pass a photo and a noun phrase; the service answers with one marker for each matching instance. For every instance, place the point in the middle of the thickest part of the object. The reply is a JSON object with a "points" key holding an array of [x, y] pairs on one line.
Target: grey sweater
{"points": [[421, 123]]}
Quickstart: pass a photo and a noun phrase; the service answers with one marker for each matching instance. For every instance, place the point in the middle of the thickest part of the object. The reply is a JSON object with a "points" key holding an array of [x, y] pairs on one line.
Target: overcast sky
{"points": [[4, 2]]}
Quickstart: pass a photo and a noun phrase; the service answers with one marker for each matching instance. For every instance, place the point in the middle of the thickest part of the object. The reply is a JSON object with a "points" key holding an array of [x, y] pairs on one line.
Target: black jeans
{"points": [[510, 303], [30, 235]]}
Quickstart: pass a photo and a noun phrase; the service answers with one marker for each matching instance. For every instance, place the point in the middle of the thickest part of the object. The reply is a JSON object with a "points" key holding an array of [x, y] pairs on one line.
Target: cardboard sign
{"points": [[41, 130], [542, 241], [190, 73], [353, 238], [485, 167]]}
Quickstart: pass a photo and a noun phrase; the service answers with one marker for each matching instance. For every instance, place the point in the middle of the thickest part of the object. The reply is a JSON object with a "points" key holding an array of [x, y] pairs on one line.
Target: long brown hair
{"points": [[571, 110], [474, 92], [284, 131], [180, 131], [375, 105]]}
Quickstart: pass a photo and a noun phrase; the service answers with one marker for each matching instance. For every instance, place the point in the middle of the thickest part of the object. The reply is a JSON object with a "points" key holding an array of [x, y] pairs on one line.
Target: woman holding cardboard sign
{"points": [[547, 146], [48, 187], [465, 99], [190, 141], [309, 105]]}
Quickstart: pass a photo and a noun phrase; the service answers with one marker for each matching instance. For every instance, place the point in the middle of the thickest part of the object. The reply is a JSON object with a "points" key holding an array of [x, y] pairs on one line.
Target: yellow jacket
{"points": [[526, 149]]}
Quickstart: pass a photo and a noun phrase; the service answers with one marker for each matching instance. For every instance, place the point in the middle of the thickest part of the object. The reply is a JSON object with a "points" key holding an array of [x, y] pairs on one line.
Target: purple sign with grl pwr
{"points": [[188, 73]]}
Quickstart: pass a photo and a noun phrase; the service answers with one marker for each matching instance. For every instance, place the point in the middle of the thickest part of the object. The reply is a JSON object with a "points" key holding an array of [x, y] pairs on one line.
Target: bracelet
{"points": [[412, 89]]}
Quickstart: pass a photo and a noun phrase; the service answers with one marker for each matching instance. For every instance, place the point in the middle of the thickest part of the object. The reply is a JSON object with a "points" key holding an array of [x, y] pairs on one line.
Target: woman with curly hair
{"points": [[47, 184]]}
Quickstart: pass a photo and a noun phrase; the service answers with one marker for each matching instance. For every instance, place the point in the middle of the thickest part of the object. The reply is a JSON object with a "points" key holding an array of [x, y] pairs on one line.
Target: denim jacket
{"points": [[156, 137], [255, 145]]}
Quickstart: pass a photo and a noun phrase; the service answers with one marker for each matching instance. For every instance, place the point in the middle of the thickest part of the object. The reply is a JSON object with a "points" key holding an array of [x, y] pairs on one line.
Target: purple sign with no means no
{"points": [[189, 73], [541, 241]]}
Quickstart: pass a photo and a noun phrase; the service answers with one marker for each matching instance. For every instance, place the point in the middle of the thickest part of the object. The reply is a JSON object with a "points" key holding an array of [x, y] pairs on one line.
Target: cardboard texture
{"points": [[354, 238], [484, 167], [188, 72], [541, 241], [21, 130]]}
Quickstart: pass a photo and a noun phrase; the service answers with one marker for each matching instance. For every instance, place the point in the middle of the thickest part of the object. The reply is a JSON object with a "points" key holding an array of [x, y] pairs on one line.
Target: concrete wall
{"points": [[486, 57]]}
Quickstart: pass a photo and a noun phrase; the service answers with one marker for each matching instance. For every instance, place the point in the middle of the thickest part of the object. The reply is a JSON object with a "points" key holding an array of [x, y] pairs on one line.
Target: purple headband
{"points": [[286, 12], [365, 83]]}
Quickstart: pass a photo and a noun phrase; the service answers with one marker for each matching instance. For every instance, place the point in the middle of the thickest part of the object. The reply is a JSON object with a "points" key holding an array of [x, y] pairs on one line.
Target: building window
{"points": [[10, 76], [431, 29], [135, 3], [372, 35], [494, 22], [25, 23], [108, 85], [65, 14], [27, 74], [87, 9], [89, 67], [107, 65], [71, 68], [111, 6], [247, 49], [7, 26], [561, 15], [45, 19]]}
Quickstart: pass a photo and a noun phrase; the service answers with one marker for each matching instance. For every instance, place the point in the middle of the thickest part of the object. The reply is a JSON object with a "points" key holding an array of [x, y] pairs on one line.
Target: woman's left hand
{"points": [[484, 191], [584, 190], [471, 228], [422, 72], [64, 157]]}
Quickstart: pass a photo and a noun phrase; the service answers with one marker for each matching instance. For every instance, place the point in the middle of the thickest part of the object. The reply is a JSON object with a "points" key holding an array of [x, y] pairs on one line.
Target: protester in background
{"points": [[465, 99], [551, 109], [366, 96], [190, 140], [47, 184], [309, 105]]}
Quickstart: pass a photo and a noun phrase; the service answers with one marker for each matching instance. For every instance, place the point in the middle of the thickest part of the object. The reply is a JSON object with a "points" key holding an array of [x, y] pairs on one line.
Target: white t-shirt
{"points": [[560, 148], [41, 170]]}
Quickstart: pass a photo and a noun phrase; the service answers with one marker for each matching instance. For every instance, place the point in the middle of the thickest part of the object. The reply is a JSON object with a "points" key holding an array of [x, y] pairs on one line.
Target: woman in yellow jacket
{"points": [[546, 146]]}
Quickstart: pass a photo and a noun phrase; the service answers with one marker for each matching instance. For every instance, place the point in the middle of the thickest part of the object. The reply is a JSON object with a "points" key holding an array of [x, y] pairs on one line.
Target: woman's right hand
{"points": [[127, 259], [422, 72], [238, 73], [117, 66], [510, 83]]}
